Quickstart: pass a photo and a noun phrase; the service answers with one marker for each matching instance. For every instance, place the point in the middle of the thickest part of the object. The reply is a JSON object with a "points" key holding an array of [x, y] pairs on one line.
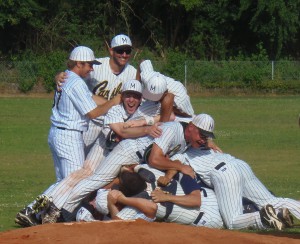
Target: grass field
{"points": [[263, 131]]}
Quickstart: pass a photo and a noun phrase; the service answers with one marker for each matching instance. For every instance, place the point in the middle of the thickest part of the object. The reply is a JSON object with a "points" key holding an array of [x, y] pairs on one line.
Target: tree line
{"points": [[200, 29]]}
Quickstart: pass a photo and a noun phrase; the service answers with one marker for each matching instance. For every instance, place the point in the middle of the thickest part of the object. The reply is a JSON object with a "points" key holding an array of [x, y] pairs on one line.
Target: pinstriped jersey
{"points": [[105, 83], [116, 114], [204, 162], [171, 141], [72, 103]]}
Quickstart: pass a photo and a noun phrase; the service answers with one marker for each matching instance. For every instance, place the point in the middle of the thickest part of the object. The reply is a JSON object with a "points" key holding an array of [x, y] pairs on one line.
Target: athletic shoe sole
{"points": [[270, 217], [24, 220], [285, 216]]}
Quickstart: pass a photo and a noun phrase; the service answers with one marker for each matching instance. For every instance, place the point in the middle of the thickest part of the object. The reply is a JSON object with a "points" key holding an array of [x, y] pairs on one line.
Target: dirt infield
{"points": [[137, 232]]}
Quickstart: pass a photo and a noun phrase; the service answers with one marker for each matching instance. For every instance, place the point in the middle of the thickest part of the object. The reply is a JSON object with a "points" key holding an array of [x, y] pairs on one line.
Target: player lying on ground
{"points": [[183, 201], [232, 179]]}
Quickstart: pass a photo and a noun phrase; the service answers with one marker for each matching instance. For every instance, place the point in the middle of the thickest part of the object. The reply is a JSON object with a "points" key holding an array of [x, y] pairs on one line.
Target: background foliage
{"points": [[36, 37], [203, 29]]}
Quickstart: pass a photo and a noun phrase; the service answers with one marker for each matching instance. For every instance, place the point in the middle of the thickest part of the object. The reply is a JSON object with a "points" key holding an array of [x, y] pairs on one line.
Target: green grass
{"points": [[263, 131]]}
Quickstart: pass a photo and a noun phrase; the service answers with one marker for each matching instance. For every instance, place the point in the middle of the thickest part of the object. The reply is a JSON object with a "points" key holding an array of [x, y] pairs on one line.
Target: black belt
{"points": [[219, 165], [62, 128]]}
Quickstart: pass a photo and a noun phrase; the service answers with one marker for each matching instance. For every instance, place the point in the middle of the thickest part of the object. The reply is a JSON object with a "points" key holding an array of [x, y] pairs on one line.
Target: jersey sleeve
{"points": [[81, 97], [187, 183], [114, 115]]}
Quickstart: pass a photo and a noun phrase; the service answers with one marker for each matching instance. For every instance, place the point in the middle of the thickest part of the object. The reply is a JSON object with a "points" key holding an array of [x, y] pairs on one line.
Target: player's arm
{"points": [[119, 129], [158, 160], [102, 109], [59, 79], [99, 100], [112, 205], [210, 144], [192, 199], [167, 103], [145, 206]]}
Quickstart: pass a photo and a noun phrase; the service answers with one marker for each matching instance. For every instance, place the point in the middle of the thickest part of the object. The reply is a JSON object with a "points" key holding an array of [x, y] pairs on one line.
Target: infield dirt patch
{"points": [[137, 232]]}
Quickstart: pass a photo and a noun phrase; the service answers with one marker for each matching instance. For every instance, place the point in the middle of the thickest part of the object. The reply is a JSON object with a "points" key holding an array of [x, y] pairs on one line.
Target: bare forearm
{"points": [[99, 100], [143, 205], [191, 200], [163, 163], [101, 110]]}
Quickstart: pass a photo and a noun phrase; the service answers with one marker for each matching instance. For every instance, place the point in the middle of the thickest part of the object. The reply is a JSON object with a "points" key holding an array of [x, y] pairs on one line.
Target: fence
{"points": [[207, 74]]}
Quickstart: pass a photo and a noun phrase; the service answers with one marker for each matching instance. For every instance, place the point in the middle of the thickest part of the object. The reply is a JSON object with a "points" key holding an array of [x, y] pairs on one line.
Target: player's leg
{"points": [[228, 186], [209, 215], [259, 194], [95, 156], [91, 135], [104, 174]]}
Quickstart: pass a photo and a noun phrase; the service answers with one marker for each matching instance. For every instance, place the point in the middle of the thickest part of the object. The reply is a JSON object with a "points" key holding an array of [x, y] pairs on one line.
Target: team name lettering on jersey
{"points": [[100, 90], [174, 150]]}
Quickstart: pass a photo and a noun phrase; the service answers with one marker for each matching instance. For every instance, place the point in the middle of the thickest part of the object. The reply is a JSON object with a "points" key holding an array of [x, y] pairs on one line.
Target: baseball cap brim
{"points": [[96, 62], [207, 133], [152, 97], [131, 91]]}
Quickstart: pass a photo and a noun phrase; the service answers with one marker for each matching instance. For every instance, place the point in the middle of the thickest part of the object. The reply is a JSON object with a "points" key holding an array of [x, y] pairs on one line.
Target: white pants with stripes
{"points": [[235, 180], [61, 192], [107, 170], [67, 149]]}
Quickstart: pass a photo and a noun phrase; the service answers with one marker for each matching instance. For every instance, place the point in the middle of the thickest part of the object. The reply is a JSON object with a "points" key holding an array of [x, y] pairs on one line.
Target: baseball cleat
{"points": [[42, 203], [286, 217], [269, 218], [26, 218], [52, 215]]}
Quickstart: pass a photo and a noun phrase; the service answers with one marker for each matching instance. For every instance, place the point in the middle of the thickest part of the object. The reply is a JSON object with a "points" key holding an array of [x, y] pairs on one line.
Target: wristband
{"points": [[149, 120]]}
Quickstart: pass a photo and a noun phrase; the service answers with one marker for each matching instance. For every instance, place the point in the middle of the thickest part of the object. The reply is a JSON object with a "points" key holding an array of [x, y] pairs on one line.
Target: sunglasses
{"points": [[121, 50]]}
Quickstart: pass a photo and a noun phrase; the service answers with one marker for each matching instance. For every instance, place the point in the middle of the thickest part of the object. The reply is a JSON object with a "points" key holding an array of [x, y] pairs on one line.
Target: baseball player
{"points": [[174, 139], [232, 179], [106, 80], [183, 201], [114, 121], [171, 93]]}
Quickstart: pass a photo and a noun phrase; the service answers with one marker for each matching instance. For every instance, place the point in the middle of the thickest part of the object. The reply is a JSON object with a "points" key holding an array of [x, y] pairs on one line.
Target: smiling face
{"points": [[121, 55], [131, 101], [85, 68]]}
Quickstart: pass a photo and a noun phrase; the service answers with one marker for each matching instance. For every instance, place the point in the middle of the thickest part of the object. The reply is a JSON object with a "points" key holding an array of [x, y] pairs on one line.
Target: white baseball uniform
{"points": [[103, 82], [61, 191], [68, 122], [128, 151], [232, 179], [181, 99], [207, 215]]}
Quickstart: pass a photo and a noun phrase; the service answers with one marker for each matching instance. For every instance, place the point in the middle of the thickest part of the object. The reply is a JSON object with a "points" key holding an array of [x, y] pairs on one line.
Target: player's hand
{"points": [[117, 99], [163, 181], [154, 130], [113, 196], [59, 79], [159, 196], [210, 144], [188, 170], [134, 123]]}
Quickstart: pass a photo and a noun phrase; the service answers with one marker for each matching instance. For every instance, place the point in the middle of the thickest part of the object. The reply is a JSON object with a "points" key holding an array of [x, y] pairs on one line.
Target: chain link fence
{"points": [[282, 75]]}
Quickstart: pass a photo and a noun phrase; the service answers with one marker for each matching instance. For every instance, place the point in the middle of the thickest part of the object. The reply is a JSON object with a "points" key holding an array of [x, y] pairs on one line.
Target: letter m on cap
{"points": [[152, 88], [132, 85], [124, 40]]}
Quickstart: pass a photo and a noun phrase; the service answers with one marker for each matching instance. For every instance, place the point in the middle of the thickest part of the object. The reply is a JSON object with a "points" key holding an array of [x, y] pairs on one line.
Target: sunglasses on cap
{"points": [[123, 50]]}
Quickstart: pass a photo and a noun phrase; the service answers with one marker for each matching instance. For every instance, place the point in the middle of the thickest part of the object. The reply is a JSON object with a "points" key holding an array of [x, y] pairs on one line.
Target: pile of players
{"points": [[126, 144]]}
